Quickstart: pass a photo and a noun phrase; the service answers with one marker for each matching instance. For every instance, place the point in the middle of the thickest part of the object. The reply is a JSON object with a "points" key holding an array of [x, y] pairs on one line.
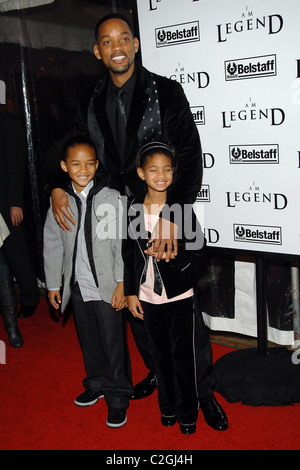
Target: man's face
{"points": [[117, 48]]}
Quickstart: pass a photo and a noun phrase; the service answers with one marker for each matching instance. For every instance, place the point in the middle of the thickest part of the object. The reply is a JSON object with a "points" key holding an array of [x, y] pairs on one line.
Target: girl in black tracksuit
{"points": [[161, 292]]}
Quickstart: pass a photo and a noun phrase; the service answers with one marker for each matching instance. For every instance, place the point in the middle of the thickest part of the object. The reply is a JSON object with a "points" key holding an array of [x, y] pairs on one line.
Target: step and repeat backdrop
{"points": [[239, 64]]}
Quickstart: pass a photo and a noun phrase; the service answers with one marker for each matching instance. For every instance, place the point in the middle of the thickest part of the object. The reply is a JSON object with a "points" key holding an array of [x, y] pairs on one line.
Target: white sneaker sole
{"points": [[116, 425], [90, 403]]}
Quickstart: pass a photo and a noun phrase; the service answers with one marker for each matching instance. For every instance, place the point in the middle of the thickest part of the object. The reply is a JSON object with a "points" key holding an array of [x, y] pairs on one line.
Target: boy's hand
{"points": [[54, 298], [135, 307], [61, 209], [119, 300]]}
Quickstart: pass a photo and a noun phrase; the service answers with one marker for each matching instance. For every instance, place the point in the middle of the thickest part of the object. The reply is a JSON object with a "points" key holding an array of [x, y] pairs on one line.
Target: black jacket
{"points": [[178, 275], [177, 126], [13, 157]]}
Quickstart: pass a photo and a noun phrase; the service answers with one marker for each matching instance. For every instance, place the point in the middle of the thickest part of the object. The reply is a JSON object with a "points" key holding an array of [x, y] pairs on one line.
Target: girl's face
{"points": [[157, 172]]}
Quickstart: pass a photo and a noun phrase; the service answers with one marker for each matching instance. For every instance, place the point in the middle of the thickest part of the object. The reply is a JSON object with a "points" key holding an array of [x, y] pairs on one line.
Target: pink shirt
{"points": [[147, 293]]}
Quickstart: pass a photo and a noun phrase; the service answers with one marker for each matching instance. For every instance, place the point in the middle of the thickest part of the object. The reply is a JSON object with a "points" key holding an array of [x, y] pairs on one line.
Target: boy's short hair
{"points": [[73, 141], [109, 17]]}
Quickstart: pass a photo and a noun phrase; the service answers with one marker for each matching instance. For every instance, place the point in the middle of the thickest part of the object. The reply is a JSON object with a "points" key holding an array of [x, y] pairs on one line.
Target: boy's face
{"points": [[81, 165]]}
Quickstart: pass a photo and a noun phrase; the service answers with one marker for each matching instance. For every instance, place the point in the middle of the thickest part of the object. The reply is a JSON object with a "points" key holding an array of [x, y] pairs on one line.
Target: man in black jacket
{"points": [[127, 108], [13, 154]]}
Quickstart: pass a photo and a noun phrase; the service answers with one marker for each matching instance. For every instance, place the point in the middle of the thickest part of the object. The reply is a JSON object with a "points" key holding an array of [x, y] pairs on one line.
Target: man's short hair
{"points": [[109, 17]]}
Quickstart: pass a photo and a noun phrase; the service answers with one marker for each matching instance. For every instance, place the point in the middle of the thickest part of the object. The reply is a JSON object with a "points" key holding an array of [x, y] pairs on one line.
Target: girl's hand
{"points": [[135, 307]]}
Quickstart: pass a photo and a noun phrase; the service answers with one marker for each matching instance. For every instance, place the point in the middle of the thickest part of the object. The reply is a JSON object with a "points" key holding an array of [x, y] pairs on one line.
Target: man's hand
{"points": [[164, 240], [16, 215], [61, 209]]}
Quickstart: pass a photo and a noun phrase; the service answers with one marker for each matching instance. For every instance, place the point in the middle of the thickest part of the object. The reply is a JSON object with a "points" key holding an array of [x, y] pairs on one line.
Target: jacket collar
{"points": [[99, 183], [139, 103]]}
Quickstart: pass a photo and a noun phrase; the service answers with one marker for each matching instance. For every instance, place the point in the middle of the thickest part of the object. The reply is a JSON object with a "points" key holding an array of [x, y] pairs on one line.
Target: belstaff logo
{"points": [[153, 4], [254, 153], [204, 194], [257, 234], [198, 115], [272, 24], [177, 34], [252, 67]]}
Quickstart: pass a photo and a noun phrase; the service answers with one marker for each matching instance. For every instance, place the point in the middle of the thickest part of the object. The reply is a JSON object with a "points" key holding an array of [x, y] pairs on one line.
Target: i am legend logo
{"points": [[251, 67]]}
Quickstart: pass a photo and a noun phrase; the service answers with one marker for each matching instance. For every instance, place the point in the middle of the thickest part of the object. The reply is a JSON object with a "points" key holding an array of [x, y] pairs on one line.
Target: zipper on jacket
{"points": [[186, 267]]}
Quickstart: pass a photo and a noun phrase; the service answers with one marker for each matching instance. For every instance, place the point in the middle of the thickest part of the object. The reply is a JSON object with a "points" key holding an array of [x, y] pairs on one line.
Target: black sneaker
{"points": [[116, 418], [88, 398]]}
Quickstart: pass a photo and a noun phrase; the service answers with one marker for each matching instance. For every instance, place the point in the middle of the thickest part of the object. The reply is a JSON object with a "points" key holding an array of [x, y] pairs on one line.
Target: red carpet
{"points": [[40, 381]]}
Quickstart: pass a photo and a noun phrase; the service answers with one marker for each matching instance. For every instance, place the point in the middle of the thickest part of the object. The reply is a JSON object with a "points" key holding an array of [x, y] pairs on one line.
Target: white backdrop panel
{"points": [[239, 66], [241, 74]]}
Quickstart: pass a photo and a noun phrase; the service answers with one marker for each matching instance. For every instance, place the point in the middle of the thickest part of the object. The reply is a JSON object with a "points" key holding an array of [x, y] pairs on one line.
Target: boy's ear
{"points": [[63, 166], [140, 172]]}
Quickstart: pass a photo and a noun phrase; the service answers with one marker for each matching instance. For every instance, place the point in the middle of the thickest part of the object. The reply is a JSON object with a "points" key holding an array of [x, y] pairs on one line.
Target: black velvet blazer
{"points": [[177, 126], [13, 158]]}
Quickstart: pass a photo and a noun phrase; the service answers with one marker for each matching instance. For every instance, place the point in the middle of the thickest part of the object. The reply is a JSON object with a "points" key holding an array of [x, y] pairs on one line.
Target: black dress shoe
{"points": [[14, 336], [25, 312], [187, 428], [213, 413], [144, 388], [168, 420]]}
